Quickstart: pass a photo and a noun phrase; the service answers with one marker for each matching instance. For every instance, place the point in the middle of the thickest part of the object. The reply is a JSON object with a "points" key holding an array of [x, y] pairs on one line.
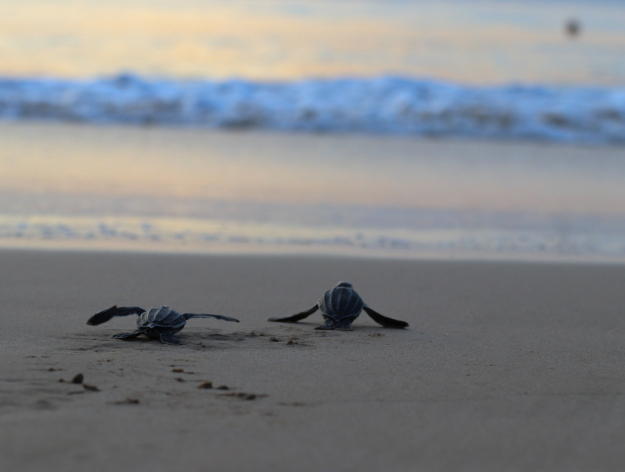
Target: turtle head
{"points": [[344, 284]]}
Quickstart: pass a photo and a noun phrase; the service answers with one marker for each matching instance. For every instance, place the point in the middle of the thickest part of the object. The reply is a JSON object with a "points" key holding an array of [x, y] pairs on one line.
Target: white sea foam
{"points": [[580, 238], [377, 105]]}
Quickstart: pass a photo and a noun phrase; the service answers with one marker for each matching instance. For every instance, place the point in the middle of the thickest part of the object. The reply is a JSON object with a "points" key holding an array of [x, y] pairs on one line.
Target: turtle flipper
{"points": [[344, 324], [383, 320], [109, 313], [167, 337], [139, 332], [297, 317], [328, 325], [188, 316]]}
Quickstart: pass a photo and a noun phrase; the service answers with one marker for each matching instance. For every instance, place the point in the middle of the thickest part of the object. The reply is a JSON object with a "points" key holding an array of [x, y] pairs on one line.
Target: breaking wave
{"points": [[378, 105]]}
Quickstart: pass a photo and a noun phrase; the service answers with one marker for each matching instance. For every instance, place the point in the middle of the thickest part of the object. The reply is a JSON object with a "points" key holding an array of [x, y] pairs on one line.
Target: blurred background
{"points": [[412, 128], [464, 41]]}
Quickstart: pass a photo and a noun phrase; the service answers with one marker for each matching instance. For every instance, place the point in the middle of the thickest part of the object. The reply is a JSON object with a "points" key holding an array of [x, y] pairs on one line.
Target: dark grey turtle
{"points": [[158, 323], [340, 307]]}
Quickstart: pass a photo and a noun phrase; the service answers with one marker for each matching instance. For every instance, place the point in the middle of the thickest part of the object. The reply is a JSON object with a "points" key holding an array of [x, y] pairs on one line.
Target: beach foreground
{"points": [[505, 366]]}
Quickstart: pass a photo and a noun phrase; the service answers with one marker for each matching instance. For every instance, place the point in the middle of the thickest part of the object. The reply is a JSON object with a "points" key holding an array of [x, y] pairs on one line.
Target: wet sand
{"points": [[506, 366]]}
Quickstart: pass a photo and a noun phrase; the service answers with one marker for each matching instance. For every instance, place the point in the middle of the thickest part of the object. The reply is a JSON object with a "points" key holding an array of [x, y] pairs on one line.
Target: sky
{"points": [[468, 41]]}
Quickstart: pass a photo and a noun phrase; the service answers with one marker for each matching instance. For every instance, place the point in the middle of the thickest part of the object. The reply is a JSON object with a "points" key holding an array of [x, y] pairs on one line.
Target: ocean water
{"points": [[594, 115], [454, 128], [193, 190]]}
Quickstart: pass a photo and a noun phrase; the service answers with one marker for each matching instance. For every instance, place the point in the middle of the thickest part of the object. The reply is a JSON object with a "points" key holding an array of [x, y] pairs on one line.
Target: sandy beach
{"points": [[505, 366]]}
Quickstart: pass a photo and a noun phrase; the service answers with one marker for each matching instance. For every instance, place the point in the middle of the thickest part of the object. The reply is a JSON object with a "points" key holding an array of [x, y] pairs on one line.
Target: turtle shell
{"points": [[341, 302], [163, 317]]}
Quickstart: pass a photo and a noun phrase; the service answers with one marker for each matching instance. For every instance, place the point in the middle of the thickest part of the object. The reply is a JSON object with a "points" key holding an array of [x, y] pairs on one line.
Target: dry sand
{"points": [[506, 366]]}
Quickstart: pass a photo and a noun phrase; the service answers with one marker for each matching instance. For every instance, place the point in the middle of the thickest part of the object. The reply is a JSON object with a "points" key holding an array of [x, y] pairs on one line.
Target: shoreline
{"points": [[302, 251], [202, 190]]}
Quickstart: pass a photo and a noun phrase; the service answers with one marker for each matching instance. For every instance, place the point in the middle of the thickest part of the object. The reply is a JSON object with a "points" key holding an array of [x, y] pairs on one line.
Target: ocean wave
{"points": [[378, 105]]}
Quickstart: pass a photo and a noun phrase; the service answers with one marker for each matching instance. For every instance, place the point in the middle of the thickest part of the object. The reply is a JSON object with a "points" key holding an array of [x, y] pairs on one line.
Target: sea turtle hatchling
{"points": [[340, 307], [158, 323]]}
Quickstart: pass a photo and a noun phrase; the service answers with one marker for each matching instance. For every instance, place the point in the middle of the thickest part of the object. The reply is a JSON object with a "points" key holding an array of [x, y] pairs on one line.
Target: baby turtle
{"points": [[158, 323], [340, 307]]}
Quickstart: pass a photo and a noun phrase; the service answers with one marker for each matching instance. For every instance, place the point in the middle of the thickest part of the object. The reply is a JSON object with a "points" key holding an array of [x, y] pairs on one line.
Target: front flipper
{"points": [[383, 320], [139, 332], [297, 317], [328, 325], [188, 316], [114, 311], [167, 337]]}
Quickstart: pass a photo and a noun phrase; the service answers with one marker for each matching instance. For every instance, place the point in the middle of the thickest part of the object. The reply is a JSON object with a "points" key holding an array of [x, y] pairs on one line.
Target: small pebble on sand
{"points": [[241, 395]]}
